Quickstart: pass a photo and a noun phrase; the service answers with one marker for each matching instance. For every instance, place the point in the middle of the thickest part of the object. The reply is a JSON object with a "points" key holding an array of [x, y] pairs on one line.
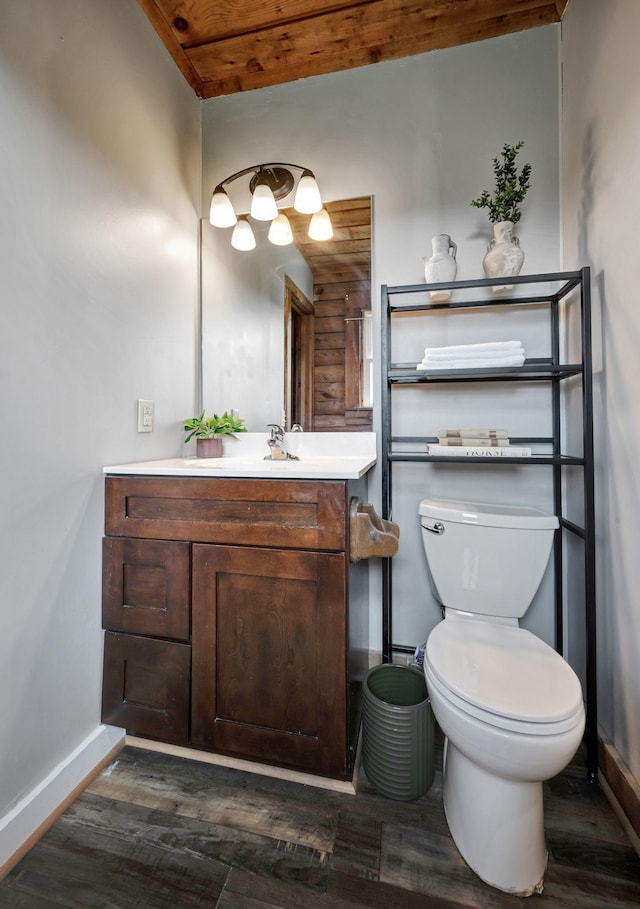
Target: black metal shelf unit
{"points": [[556, 292]]}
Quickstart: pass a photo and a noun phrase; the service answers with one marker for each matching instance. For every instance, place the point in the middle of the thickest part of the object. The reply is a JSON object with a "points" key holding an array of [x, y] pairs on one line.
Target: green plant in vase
{"points": [[504, 257], [510, 189], [209, 432]]}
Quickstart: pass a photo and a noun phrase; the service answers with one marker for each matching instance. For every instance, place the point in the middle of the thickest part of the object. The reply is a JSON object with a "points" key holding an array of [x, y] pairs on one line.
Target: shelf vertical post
{"points": [[556, 420], [591, 732], [385, 357]]}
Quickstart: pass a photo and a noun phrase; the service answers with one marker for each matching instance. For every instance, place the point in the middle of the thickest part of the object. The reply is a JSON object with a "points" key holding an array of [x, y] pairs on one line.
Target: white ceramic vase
{"points": [[441, 266], [504, 257]]}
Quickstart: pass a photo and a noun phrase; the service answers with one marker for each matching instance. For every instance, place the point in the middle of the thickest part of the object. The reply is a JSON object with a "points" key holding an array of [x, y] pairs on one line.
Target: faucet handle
{"points": [[277, 432]]}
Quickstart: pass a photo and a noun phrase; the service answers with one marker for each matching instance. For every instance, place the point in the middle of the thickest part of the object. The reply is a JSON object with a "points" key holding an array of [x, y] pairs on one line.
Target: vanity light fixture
{"points": [[268, 184]]}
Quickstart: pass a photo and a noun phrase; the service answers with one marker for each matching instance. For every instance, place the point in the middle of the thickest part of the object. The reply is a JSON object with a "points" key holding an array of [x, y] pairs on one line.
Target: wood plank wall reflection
{"points": [[342, 290]]}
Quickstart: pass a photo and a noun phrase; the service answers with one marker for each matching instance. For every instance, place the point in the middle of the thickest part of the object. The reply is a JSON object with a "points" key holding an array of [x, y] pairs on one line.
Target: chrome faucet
{"points": [[277, 447]]}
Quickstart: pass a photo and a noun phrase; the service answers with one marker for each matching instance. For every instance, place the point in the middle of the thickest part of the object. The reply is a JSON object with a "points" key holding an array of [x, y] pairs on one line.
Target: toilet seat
{"points": [[504, 676]]}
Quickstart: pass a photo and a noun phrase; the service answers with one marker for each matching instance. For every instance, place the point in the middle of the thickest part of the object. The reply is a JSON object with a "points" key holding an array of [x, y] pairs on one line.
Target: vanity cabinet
{"points": [[227, 605]]}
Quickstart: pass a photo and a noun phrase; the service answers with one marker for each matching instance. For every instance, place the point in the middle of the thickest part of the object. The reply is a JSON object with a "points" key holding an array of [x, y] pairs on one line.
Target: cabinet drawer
{"points": [[146, 587], [300, 514], [146, 686]]}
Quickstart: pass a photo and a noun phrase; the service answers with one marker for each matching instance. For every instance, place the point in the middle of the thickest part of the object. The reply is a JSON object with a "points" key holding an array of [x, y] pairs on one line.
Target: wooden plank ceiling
{"points": [[347, 256], [226, 46]]}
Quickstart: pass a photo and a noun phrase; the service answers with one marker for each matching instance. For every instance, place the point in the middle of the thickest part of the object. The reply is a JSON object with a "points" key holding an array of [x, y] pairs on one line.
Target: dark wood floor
{"points": [[158, 831]]}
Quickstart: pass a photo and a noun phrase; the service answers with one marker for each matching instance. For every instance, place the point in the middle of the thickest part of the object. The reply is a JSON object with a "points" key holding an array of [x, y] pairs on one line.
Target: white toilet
{"points": [[510, 707]]}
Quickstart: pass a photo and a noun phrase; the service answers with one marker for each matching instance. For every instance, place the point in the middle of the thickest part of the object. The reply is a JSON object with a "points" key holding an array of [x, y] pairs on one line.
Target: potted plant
{"points": [[504, 257], [209, 432]]}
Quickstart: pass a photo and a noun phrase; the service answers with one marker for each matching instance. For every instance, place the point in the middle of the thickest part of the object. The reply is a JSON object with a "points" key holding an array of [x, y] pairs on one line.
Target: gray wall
{"points": [[418, 135], [100, 154], [601, 210]]}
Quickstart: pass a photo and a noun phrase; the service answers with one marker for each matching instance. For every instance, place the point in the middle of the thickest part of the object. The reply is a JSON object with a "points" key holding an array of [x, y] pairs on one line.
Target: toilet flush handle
{"points": [[438, 527]]}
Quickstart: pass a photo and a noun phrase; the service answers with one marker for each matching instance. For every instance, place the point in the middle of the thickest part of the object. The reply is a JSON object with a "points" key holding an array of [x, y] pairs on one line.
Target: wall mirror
{"points": [[286, 330]]}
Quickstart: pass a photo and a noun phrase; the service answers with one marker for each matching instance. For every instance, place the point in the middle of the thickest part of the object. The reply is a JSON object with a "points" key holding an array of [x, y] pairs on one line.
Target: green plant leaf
{"points": [[510, 186], [213, 427]]}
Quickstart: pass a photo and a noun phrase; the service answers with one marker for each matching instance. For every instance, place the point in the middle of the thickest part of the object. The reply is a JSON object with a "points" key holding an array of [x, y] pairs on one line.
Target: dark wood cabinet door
{"points": [[146, 686], [269, 656], [146, 587]]}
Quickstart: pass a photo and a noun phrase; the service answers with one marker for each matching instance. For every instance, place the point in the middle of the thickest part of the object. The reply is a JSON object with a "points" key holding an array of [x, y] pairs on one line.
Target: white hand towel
{"points": [[475, 355], [479, 349], [485, 363]]}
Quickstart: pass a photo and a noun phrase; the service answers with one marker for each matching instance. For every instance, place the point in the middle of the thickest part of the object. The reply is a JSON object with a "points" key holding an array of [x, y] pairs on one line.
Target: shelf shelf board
{"points": [[533, 459], [532, 371], [554, 287]]}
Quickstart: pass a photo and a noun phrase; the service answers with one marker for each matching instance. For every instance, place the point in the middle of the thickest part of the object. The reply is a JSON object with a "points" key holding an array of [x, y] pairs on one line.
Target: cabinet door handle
{"points": [[438, 527]]}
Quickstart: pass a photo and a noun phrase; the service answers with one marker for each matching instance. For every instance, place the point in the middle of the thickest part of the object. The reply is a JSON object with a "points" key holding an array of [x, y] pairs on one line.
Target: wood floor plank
{"points": [[156, 831], [248, 891], [577, 807], [426, 812], [16, 899], [359, 893], [575, 887], [422, 862], [78, 864], [609, 860], [215, 794], [356, 850]]}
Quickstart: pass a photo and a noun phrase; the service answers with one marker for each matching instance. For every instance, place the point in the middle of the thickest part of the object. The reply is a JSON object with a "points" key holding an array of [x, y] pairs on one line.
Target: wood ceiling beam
{"points": [[195, 22], [160, 24], [237, 45], [358, 36]]}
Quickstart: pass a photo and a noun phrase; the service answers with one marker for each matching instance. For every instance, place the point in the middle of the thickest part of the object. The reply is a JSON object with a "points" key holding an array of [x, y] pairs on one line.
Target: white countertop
{"points": [[322, 456]]}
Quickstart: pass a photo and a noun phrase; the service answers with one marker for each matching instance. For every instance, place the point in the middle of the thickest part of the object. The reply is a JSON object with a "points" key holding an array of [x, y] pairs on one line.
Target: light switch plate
{"points": [[145, 416]]}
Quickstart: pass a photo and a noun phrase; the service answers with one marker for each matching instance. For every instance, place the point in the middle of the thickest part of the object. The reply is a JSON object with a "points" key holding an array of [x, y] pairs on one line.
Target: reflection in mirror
{"points": [[299, 346], [283, 328]]}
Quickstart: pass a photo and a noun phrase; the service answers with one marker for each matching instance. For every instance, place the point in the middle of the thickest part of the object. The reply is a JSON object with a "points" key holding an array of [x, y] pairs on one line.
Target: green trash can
{"points": [[398, 735]]}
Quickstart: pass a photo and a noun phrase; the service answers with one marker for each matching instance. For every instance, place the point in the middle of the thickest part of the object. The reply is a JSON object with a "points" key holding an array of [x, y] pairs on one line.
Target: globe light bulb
{"points": [[320, 226], [221, 213], [280, 232], [307, 199], [242, 237]]}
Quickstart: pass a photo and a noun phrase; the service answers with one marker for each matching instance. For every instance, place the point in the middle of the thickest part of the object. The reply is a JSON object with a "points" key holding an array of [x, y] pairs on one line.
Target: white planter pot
{"points": [[504, 257], [441, 266]]}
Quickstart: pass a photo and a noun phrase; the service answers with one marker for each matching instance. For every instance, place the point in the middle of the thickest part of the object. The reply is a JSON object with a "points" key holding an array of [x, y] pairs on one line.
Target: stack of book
{"points": [[484, 443]]}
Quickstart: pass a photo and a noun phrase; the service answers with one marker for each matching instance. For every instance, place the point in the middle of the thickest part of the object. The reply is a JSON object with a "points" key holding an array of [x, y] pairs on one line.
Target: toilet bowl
{"points": [[510, 707]]}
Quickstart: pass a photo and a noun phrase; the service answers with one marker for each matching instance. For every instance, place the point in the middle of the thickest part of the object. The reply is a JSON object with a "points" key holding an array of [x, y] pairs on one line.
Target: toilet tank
{"points": [[486, 559]]}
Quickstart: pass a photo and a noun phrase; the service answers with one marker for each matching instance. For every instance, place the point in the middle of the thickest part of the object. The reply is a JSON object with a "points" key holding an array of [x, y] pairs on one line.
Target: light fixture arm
{"points": [[256, 169]]}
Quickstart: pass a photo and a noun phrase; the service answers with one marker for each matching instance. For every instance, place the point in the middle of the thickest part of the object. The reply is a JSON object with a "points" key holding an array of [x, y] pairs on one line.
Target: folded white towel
{"points": [[436, 356], [484, 363], [479, 349]]}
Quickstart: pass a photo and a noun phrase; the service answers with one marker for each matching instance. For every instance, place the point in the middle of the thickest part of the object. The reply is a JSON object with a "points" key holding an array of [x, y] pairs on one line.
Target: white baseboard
{"points": [[21, 827]]}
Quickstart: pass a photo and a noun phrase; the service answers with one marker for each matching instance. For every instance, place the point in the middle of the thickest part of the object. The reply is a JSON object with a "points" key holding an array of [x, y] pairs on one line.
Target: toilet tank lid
{"points": [[483, 515]]}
